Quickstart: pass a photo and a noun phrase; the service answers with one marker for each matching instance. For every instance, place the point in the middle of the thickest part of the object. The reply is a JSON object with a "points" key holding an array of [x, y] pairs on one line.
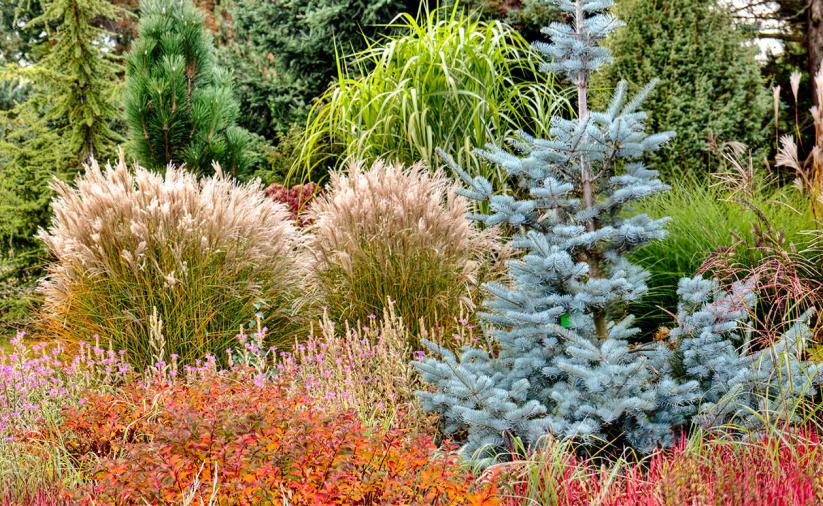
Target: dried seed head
{"points": [[795, 83]]}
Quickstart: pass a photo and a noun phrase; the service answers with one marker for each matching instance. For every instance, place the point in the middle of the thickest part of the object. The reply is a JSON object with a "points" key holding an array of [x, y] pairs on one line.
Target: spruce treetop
{"points": [[64, 116], [78, 77]]}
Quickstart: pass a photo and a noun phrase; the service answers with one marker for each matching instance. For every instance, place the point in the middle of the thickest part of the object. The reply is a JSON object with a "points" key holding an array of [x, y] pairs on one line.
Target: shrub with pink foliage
{"points": [[297, 199]]}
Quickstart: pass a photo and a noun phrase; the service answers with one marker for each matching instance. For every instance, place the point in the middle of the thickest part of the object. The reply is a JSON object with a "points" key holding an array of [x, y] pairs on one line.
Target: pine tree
{"points": [[179, 102], [563, 358], [710, 82]]}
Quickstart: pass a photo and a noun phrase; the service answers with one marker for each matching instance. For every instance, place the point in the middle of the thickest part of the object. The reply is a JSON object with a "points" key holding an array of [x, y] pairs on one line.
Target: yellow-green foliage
{"points": [[706, 219], [394, 233], [445, 81], [204, 255]]}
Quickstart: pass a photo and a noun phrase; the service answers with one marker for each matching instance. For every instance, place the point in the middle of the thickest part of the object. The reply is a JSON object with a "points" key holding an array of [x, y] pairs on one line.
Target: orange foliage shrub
{"points": [[245, 443]]}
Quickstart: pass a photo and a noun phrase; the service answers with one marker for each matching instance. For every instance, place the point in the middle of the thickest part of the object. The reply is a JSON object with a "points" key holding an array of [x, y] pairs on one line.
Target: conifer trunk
{"points": [[814, 41], [591, 258]]}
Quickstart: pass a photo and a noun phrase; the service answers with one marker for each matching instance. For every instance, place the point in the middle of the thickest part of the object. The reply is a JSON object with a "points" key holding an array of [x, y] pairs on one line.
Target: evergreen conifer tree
{"points": [[179, 103], [66, 118], [285, 54], [563, 359], [710, 82], [737, 384]]}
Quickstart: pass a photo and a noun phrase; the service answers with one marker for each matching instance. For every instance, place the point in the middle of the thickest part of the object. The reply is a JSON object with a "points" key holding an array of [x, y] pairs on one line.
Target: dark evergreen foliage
{"points": [[65, 120], [285, 53], [710, 83], [180, 104], [60, 116]]}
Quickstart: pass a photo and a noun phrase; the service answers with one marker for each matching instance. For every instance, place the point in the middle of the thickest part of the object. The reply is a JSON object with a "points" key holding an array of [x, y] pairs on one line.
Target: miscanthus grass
{"points": [[196, 258], [396, 233], [445, 80]]}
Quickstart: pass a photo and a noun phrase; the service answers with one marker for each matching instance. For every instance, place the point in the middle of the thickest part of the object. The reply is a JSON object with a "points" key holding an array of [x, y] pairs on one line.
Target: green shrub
{"points": [[399, 234], [281, 157], [146, 260], [710, 82], [283, 53], [704, 220], [448, 81]]}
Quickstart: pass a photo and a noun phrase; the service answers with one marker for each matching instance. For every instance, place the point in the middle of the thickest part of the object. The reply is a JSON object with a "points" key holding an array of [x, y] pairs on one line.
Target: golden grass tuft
{"points": [[394, 233], [205, 255]]}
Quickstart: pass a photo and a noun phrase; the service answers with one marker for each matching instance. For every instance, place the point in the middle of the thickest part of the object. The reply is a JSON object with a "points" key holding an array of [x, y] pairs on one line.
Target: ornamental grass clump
{"points": [[445, 79], [394, 233], [782, 467], [170, 259]]}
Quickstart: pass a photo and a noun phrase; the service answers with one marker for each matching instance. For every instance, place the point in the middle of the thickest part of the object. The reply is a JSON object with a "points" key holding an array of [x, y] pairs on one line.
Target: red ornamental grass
{"points": [[243, 444], [42, 497], [787, 284], [785, 470], [297, 199]]}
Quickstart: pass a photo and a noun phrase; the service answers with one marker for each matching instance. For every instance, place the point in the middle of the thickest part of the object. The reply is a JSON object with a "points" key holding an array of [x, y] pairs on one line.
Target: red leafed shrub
{"points": [[779, 470], [296, 198], [242, 443]]}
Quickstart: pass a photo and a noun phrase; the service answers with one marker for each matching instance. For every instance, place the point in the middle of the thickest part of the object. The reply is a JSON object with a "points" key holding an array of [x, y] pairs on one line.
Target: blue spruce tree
{"points": [[738, 385], [563, 359]]}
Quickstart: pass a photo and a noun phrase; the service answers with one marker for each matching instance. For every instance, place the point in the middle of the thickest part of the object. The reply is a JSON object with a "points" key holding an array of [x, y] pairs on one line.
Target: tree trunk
{"points": [[814, 40]]}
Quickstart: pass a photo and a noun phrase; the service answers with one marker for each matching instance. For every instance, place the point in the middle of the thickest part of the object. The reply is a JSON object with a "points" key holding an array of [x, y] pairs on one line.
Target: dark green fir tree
{"points": [[179, 103], [710, 82], [64, 117]]}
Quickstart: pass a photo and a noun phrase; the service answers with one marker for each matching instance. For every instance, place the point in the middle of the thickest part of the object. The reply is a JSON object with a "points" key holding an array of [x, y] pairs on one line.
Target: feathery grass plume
{"points": [[794, 80], [207, 255], [808, 171], [396, 233]]}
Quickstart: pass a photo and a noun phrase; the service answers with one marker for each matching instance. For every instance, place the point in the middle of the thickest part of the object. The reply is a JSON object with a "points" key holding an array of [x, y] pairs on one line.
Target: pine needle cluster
{"points": [[179, 103]]}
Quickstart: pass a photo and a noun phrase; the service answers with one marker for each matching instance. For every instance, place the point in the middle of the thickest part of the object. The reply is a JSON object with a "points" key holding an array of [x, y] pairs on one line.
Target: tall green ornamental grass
{"points": [[400, 234], [705, 219], [168, 263], [447, 81]]}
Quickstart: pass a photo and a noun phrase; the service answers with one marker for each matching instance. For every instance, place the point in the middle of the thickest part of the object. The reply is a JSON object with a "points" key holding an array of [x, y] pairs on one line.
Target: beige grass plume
{"points": [[128, 241], [388, 231]]}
